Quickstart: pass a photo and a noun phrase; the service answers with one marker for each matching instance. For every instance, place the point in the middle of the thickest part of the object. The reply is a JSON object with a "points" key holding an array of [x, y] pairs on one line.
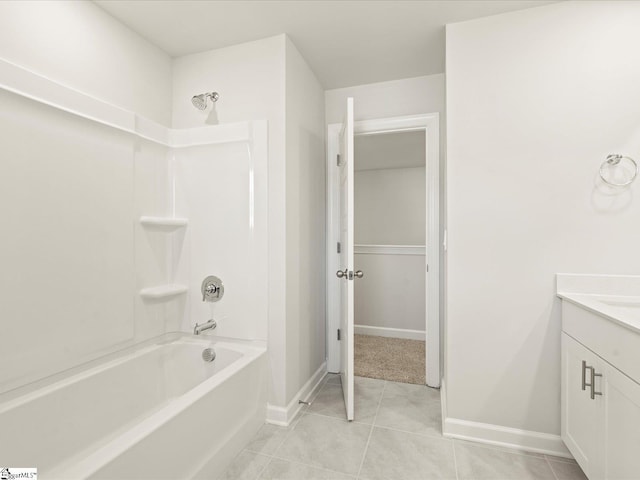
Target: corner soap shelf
{"points": [[164, 223], [163, 291]]}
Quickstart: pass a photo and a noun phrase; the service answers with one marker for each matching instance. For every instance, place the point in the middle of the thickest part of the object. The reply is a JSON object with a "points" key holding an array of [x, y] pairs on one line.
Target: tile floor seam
{"points": [[290, 429], [264, 468], [255, 451], [551, 468], [428, 435], [455, 460], [244, 450], [561, 459], [373, 423], [297, 462], [337, 418]]}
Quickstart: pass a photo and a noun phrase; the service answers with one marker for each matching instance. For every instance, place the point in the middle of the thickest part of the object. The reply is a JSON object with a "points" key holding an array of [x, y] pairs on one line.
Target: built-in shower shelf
{"points": [[163, 291], [164, 223]]}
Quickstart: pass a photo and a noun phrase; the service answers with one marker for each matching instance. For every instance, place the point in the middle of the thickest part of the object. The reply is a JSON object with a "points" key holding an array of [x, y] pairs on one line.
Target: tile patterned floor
{"points": [[396, 435]]}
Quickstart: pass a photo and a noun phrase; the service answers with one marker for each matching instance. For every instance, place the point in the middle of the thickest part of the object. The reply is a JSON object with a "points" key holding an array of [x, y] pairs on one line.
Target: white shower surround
{"points": [[248, 318], [229, 400]]}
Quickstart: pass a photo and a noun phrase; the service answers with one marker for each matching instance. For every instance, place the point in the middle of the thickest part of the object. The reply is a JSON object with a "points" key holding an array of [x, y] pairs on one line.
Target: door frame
{"points": [[430, 124]]}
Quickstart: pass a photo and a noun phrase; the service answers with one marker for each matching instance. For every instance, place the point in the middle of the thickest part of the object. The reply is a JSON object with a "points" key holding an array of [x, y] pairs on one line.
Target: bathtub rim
{"points": [[33, 390], [83, 466]]}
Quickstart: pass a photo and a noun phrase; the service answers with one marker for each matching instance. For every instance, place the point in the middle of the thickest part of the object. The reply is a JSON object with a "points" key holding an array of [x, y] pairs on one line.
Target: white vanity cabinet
{"points": [[620, 427], [600, 404], [578, 411]]}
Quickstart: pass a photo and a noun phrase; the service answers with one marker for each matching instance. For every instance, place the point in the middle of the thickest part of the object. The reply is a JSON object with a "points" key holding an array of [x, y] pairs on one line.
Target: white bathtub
{"points": [[158, 411]]}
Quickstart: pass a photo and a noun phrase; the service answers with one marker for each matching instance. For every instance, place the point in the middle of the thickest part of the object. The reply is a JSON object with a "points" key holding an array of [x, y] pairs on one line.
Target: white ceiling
{"points": [[390, 150], [346, 42]]}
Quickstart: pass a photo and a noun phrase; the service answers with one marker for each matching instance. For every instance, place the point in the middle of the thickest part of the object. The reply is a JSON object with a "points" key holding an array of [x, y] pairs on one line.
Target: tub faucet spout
{"points": [[210, 325]]}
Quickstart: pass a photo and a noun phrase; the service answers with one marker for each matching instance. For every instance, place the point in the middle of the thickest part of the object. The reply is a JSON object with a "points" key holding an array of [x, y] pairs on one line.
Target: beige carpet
{"points": [[394, 359]]}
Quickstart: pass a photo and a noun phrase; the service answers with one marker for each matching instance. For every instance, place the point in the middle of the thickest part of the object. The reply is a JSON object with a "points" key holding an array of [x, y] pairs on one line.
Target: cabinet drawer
{"points": [[614, 343]]}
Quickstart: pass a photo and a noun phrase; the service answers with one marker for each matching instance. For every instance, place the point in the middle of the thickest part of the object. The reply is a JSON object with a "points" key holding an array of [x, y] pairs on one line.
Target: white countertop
{"points": [[621, 309]]}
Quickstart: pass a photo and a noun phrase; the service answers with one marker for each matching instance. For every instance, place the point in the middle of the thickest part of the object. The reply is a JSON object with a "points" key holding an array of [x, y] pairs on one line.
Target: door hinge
{"points": [[338, 248], [338, 334], [338, 159], [427, 268]]}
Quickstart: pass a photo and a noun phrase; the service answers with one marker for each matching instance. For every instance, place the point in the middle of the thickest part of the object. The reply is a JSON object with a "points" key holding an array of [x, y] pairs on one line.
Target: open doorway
{"points": [[339, 265], [390, 248]]}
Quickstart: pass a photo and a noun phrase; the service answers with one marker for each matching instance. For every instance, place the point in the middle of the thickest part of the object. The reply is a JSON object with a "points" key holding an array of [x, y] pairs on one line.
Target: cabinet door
{"points": [[619, 427], [579, 414]]}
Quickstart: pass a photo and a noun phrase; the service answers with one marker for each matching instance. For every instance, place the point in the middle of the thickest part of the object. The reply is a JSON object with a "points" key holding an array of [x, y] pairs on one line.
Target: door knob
{"points": [[341, 274], [359, 274]]}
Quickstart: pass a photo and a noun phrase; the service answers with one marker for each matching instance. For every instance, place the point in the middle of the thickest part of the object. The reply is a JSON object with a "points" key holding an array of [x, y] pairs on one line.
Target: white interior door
{"points": [[345, 275]]}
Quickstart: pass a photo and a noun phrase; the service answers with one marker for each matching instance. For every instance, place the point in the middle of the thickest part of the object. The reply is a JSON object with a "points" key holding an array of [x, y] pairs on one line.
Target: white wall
{"points": [[536, 100], [409, 96], [306, 205], [249, 78], [391, 295], [389, 206], [268, 79], [79, 45]]}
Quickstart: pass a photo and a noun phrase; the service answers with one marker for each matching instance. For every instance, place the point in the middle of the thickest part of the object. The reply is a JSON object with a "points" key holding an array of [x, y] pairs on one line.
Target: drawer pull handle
{"points": [[593, 383]]}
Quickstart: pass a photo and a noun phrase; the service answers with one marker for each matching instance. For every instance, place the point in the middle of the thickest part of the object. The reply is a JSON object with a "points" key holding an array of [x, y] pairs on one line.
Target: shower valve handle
{"points": [[212, 289], [209, 290]]}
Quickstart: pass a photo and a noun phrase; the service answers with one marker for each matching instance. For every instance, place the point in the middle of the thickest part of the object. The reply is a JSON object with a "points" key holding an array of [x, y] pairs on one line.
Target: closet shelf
{"points": [[164, 223], [163, 291]]}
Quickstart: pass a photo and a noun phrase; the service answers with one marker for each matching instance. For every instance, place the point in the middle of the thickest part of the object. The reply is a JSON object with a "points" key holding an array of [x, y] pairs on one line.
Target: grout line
{"points": [[438, 436], [284, 437], [375, 417], [551, 468], [553, 458], [298, 462], [257, 454], [290, 430], [337, 418], [428, 435], [455, 460], [264, 468]]}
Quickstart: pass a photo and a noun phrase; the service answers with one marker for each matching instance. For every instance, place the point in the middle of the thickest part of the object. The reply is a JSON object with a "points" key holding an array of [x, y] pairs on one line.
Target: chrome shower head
{"points": [[200, 101]]}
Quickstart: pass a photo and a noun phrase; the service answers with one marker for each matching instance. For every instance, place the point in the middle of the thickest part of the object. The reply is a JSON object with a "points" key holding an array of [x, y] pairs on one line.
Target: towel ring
{"points": [[613, 160]]}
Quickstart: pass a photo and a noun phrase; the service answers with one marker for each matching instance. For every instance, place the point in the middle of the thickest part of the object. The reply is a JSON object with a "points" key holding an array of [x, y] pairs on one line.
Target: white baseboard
{"points": [[505, 437], [284, 415], [499, 436], [390, 332]]}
